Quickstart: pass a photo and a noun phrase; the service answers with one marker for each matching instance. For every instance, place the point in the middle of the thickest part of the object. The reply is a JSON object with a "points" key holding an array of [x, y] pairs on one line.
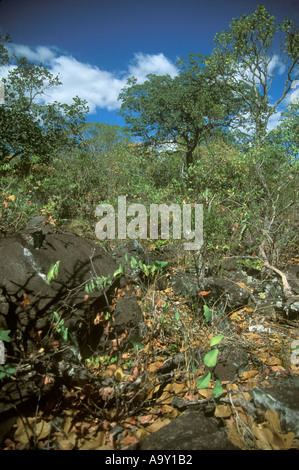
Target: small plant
{"points": [[98, 283], [148, 270], [53, 272], [210, 360], [60, 328]]}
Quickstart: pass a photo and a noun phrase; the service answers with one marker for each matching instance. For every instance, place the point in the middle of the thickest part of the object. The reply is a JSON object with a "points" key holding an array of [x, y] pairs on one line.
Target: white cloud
{"points": [[99, 87], [38, 54], [144, 64], [294, 95]]}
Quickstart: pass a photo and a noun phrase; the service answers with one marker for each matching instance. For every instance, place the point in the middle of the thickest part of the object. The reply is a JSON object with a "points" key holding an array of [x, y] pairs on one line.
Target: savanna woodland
{"points": [[213, 324]]}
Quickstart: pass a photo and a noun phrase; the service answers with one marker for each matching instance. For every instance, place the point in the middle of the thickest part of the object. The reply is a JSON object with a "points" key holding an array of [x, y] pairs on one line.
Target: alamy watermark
{"points": [[133, 222]]}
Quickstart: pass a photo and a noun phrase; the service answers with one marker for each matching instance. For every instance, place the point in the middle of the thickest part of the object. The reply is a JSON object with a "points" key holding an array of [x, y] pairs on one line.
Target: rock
{"points": [[230, 363], [190, 431], [28, 300], [282, 397]]}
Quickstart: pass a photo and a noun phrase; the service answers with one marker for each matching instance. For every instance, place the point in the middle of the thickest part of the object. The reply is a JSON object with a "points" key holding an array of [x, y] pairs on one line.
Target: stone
{"points": [[281, 396], [191, 431]]}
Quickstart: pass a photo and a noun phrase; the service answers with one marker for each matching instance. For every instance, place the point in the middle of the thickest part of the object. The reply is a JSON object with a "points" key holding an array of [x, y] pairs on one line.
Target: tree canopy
{"points": [[231, 87], [181, 110], [246, 60], [30, 128]]}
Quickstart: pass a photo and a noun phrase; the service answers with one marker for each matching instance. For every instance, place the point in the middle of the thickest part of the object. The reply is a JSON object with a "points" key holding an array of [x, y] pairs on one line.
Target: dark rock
{"points": [[230, 363], [28, 300], [190, 431], [282, 397]]}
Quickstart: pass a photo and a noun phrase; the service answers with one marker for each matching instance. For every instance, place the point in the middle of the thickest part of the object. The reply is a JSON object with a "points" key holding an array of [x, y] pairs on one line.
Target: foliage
{"points": [[32, 131], [59, 326], [210, 359], [177, 111], [53, 272], [245, 59]]}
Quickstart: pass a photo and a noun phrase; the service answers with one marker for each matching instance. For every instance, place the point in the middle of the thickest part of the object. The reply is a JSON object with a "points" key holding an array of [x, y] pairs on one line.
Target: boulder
{"points": [[28, 300], [191, 431]]}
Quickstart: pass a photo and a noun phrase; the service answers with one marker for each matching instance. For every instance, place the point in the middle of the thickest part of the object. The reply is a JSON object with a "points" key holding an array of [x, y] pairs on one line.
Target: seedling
{"points": [[210, 360]]}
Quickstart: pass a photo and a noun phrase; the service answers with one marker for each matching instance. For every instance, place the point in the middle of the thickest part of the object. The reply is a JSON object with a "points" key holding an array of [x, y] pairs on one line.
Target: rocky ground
{"points": [[98, 357]]}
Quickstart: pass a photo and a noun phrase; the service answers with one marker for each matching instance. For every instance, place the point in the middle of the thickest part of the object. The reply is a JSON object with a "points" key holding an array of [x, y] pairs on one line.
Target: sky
{"points": [[96, 45]]}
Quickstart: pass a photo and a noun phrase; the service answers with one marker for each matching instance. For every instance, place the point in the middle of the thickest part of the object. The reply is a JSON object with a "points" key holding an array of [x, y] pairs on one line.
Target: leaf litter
{"points": [[139, 400]]}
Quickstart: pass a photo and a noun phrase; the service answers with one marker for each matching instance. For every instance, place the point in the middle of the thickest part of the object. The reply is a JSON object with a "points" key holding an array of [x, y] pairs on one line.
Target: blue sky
{"points": [[95, 45]]}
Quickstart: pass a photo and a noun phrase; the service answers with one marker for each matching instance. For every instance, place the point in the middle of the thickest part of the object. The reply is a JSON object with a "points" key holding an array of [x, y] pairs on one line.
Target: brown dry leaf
{"points": [[116, 342], [146, 419], [110, 370], [206, 392], [158, 424], [223, 411], [135, 374], [203, 292], [67, 443], [40, 430], [170, 411], [243, 286], [153, 391], [281, 441], [106, 392], [248, 375], [273, 420], [129, 440], [179, 387], [142, 434], [92, 444], [234, 434], [264, 436], [190, 396], [24, 303], [273, 361], [231, 386]]}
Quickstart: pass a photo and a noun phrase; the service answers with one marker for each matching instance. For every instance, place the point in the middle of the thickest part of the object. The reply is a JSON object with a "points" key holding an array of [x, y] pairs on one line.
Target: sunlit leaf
{"points": [[203, 382], [210, 358]]}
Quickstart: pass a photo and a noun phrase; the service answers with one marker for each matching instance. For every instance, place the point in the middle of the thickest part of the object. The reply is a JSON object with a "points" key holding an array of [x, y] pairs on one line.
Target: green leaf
{"points": [[216, 339], [56, 316], [4, 336], [176, 316], [133, 262], [203, 382], [210, 358], [120, 270], [217, 390], [53, 271], [207, 313]]}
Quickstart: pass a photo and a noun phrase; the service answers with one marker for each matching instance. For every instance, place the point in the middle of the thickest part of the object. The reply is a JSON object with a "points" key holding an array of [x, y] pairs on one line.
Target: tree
{"points": [[182, 110], [245, 60], [286, 135], [29, 128]]}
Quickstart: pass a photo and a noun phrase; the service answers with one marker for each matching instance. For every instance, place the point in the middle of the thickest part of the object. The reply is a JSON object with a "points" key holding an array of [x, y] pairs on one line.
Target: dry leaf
{"points": [[129, 440], [146, 419], [142, 434], [158, 424], [248, 375], [273, 361], [67, 443], [119, 374], [223, 411], [92, 444]]}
